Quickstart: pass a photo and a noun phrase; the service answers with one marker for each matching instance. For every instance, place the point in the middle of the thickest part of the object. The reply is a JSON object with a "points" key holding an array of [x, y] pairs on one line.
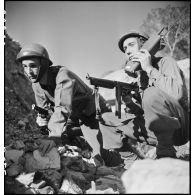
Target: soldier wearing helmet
{"points": [[40, 55], [72, 99], [159, 109]]}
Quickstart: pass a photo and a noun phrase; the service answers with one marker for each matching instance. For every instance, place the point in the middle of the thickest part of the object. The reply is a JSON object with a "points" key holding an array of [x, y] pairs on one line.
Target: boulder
{"points": [[109, 181], [34, 161], [164, 175], [13, 155], [68, 186], [14, 170], [25, 178]]}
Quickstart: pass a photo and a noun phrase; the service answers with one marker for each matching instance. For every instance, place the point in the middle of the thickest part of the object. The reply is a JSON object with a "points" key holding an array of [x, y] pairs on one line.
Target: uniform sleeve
{"points": [[168, 78], [63, 102], [40, 98]]}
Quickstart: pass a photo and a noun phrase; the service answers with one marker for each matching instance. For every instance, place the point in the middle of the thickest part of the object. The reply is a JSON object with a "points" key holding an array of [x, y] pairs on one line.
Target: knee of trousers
{"points": [[151, 103], [109, 116]]}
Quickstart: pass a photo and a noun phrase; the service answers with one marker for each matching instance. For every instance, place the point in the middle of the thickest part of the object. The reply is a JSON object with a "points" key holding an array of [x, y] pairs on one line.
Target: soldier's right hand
{"points": [[41, 121]]}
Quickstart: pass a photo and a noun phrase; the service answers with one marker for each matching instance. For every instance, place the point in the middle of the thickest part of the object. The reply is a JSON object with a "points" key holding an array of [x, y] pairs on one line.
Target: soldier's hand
{"points": [[144, 57], [41, 121], [44, 130], [127, 98], [45, 145]]}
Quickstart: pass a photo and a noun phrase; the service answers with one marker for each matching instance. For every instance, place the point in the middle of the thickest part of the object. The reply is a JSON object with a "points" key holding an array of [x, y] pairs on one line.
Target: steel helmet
{"points": [[132, 33], [33, 50]]}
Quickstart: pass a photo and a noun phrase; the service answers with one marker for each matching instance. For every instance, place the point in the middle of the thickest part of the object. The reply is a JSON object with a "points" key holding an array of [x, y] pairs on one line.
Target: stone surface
{"points": [[25, 179], [93, 190], [110, 181], [14, 170], [69, 186], [50, 160], [13, 155], [157, 176], [34, 161]]}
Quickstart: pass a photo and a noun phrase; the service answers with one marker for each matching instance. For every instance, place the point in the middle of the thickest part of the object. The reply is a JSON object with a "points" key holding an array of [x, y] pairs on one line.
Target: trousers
{"points": [[163, 124], [93, 135]]}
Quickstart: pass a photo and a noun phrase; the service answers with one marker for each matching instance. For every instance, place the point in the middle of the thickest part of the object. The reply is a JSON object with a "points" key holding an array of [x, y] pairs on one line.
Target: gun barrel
{"points": [[101, 82], [40, 110], [110, 84]]}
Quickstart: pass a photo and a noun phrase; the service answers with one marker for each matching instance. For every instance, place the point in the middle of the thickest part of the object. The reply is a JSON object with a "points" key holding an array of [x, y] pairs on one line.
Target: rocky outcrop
{"points": [[14, 77], [19, 120]]}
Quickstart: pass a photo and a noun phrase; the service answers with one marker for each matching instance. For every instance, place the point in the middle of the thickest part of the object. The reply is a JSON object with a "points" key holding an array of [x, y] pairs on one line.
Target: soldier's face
{"points": [[130, 46], [31, 68]]}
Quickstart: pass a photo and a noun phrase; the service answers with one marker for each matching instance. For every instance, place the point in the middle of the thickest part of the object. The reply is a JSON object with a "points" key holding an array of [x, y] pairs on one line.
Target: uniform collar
{"points": [[47, 81], [44, 79]]}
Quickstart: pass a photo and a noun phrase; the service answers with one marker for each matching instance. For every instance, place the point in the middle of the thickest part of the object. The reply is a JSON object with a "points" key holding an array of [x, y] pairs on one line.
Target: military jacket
{"points": [[70, 96]]}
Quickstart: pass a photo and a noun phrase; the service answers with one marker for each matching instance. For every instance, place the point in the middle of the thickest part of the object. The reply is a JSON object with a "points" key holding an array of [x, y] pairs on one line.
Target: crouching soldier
{"points": [[72, 99], [160, 109]]}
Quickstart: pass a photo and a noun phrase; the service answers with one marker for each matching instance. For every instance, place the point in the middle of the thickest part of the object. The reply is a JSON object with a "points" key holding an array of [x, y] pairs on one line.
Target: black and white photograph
{"points": [[97, 97]]}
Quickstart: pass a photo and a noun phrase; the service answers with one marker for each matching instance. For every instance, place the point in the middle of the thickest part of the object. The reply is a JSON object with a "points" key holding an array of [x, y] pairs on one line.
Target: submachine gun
{"points": [[40, 110], [153, 44], [120, 88]]}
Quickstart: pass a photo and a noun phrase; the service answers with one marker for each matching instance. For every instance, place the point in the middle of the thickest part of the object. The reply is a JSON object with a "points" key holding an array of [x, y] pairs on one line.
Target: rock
{"points": [[52, 178], [26, 179], [151, 153], [75, 163], [46, 190], [110, 181], [183, 151], [38, 185], [26, 136], [13, 155], [93, 190], [30, 191], [68, 186], [34, 161], [50, 160], [14, 170], [21, 124], [19, 144], [165, 175], [25, 120], [30, 164], [81, 179], [104, 170]]}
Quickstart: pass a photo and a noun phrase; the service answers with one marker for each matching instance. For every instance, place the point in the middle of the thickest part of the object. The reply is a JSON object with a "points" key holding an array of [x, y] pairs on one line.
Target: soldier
{"points": [[72, 99], [160, 114]]}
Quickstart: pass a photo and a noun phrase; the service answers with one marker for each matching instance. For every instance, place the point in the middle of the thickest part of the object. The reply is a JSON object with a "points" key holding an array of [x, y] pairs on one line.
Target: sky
{"points": [[82, 35]]}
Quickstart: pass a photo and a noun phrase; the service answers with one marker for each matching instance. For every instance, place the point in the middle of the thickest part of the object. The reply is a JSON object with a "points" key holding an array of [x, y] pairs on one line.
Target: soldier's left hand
{"points": [[144, 57]]}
